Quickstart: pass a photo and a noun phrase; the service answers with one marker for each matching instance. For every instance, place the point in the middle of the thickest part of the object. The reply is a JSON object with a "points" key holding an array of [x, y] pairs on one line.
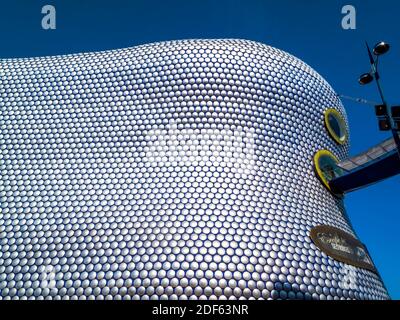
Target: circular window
{"points": [[336, 125], [326, 167]]}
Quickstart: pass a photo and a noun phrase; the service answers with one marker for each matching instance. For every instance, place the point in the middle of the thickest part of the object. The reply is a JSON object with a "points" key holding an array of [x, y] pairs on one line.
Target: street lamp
{"points": [[384, 112], [365, 78], [381, 48]]}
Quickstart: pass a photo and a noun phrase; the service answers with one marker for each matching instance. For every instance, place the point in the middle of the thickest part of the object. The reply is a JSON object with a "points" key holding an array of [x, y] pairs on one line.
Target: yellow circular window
{"points": [[336, 125], [325, 164]]}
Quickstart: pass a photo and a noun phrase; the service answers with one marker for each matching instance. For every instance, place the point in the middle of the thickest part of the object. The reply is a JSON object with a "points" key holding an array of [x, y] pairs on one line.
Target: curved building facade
{"points": [[175, 170]]}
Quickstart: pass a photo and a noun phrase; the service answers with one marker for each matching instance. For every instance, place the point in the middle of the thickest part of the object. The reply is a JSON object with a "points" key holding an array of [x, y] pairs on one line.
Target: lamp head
{"points": [[381, 48], [365, 78]]}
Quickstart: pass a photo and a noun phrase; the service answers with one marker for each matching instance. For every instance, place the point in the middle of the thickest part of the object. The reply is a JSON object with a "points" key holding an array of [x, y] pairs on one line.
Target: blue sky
{"points": [[311, 30]]}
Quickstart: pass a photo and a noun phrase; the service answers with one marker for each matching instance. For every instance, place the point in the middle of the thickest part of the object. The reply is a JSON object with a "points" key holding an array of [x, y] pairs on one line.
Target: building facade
{"points": [[174, 170]]}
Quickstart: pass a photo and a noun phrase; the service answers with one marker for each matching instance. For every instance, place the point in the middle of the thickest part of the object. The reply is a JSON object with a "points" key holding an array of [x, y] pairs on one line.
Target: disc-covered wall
{"points": [[175, 170]]}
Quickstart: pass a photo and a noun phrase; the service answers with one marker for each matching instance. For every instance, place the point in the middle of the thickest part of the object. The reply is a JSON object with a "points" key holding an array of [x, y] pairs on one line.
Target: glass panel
{"points": [[333, 121], [336, 125], [329, 167], [326, 167]]}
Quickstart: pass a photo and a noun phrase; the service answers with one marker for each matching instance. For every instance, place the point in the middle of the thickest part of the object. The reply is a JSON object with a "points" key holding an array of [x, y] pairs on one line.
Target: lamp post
{"points": [[380, 49]]}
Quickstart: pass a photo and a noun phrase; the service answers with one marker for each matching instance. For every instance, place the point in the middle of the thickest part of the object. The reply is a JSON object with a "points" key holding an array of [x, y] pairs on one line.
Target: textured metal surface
{"points": [[176, 170]]}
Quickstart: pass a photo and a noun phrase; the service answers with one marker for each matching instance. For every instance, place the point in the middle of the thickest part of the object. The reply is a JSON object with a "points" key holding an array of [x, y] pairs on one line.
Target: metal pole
{"points": [[374, 70], [396, 137]]}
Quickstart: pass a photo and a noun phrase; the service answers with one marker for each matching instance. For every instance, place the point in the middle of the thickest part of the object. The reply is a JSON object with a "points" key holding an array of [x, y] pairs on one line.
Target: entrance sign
{"points": [[341, 246]]}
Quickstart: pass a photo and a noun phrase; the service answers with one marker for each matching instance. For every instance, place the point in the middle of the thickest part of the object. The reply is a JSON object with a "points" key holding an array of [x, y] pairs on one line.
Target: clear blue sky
{"points": [[311, 30]]}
